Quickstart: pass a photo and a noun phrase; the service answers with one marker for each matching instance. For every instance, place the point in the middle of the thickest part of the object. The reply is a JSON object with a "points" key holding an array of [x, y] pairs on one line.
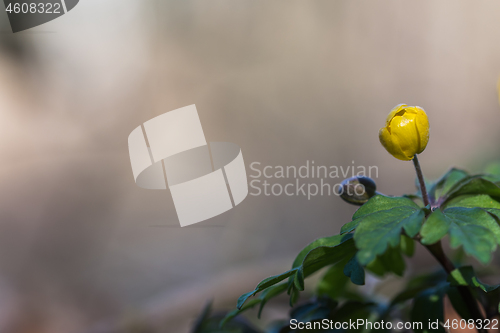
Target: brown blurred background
{"points": [[82, 248]]}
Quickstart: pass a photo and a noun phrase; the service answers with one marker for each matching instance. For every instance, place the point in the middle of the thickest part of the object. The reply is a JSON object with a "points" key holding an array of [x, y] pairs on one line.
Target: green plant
{"points": [[464, 207]]}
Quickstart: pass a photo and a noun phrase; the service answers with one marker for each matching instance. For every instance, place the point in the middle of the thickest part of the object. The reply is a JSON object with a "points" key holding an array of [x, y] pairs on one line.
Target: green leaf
{"points": [[471, 201], [465, 276], [270, 293], [376, 204], [495, 213], [311, 311], [334, 281], [354, 271], [493, 169], [493, 172], [354, 310], [473, 185], [377, 267], [393, 261], [418, 284], [452, 178], [202, 318], [413, 196], [428, 307], [264, 284], [250, 304], [325, 241], [435, 227], [472, 228], [278, 326], [390, 262], [294, 295], [381, 202], [377, 231], [320, 253], [262, 300], [208, 323], [407, 245], [446, 182], [323, 256]]}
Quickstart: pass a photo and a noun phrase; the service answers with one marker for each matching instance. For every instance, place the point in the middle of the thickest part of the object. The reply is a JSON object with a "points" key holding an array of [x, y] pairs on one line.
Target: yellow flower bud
{"points": [[406, 132]]}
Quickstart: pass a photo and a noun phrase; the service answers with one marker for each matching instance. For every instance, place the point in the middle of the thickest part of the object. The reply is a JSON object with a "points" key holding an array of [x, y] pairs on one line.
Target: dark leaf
{"points": [[491, 303], [318, 254], [428, 307], [202, 318], [270, 293], [320, 309], [465, 276], [210, 324], [294, 295], [250, 304], [325, 241], [446, 182], [418, 284], [391, 261], [265, 296], [354, 310], [459, 304], [323, 256], [333, 283], [473, 185], [472, 228], [354, 271], [264, 285]]}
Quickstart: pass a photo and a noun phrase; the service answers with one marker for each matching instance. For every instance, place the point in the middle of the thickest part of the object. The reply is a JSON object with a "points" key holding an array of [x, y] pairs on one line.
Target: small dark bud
{"points": [[357, 190]]}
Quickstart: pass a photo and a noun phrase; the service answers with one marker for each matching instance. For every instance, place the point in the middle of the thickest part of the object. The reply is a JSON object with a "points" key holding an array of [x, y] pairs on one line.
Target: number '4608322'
{"points": [[33, 8]]}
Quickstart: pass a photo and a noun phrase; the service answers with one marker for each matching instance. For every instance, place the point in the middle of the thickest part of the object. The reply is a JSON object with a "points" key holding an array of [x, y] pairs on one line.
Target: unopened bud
{"points": [[357, 190]]}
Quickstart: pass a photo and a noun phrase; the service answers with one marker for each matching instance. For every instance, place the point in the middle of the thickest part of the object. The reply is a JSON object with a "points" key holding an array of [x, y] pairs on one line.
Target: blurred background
{"points": [[83, 249]]}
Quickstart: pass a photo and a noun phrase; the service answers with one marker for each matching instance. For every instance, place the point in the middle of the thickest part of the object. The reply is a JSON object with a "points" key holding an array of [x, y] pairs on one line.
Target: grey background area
{"points": [[288, 81], [188, 165]]}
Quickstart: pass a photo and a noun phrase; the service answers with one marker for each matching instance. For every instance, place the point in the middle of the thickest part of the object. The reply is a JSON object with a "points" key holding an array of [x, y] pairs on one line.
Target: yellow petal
{"points": [[393, 112], [391, 144], [422, 123], [404, 128]]}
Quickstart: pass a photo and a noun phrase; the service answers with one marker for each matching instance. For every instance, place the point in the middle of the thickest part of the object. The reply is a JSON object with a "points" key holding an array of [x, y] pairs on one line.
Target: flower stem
{"points": [[437, 251], [423, 189]]}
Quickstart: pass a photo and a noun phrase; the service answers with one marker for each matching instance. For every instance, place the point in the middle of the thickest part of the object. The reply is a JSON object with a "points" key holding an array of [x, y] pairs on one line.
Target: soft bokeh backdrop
{"points": [[82, 248]]}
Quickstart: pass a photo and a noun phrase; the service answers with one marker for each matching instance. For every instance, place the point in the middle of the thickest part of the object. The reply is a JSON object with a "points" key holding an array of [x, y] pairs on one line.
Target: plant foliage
{"points": [[464, 209]]}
